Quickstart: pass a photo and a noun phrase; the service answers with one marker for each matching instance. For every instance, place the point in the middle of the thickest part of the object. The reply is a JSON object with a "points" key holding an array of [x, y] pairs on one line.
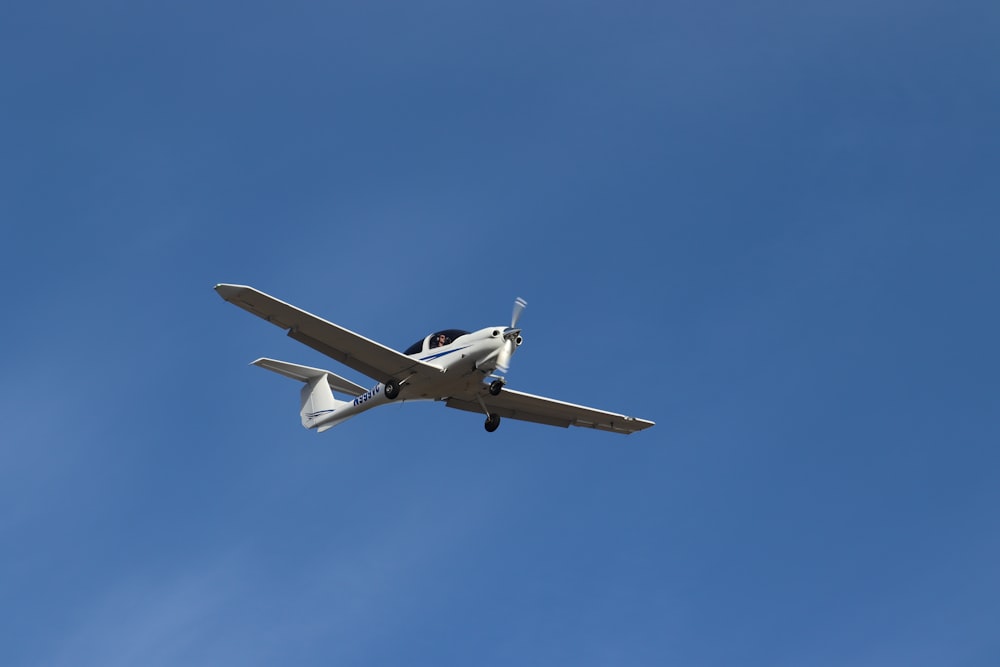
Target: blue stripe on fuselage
{"points": [[441, 354]]}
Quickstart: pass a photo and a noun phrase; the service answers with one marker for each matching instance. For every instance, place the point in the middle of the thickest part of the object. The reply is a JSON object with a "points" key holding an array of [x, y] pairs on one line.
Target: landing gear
{"points": [[492, 422], [496, 387], [391, 389]]}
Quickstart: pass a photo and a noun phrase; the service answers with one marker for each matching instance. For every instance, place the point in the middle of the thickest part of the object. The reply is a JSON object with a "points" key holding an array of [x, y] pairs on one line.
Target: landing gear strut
{"points": [[496, 387], [492, 422]]}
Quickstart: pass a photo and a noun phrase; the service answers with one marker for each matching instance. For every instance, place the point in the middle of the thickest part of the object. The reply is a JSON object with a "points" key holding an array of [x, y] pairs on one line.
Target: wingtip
{"points": [[227, 291]]}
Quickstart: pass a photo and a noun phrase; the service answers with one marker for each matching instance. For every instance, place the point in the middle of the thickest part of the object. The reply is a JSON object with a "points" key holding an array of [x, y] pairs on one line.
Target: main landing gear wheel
{"points": [[391, 389], [496, 387], [492, 422]]}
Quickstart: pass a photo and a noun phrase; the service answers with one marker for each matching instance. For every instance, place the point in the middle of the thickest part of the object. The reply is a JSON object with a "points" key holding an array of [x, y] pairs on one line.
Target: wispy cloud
{"points": [[179, 619]]}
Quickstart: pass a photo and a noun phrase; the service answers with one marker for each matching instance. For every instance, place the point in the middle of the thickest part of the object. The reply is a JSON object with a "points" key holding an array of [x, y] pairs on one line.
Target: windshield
{"points": [[436, 339]]}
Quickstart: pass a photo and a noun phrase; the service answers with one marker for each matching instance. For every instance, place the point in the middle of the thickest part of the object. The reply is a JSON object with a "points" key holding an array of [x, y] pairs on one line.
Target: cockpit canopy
{"points": [[436, 339]]}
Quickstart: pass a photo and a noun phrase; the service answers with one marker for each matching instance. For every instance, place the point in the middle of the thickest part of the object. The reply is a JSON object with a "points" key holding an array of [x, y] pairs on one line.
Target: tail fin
{"points": [[317, 401]]}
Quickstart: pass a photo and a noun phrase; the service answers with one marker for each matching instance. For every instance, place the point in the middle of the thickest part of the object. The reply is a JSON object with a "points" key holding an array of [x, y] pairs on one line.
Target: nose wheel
{"points": [[492, 423], [496, 387], [492, 419]]}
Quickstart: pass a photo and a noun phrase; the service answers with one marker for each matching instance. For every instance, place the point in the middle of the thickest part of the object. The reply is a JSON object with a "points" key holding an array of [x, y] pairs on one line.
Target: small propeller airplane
{"points": [[450, 365]]}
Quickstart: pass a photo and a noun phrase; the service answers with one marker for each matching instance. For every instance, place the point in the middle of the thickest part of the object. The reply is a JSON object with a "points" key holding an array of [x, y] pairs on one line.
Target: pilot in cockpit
{"points": [[439, 340]]}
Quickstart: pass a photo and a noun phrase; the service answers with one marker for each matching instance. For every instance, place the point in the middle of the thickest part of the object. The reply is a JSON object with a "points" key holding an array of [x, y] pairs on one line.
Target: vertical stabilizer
{"points": [[318, 403]]}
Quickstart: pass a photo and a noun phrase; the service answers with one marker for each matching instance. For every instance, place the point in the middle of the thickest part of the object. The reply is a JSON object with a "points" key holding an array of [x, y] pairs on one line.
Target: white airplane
{"points": [[451, 365]]}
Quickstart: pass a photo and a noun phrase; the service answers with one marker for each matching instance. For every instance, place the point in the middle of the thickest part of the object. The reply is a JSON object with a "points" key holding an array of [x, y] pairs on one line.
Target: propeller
{"points": [[519, 305], [512, 336]]}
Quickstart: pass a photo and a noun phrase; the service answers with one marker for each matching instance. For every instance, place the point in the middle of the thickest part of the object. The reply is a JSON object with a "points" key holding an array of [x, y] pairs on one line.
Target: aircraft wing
{"points": [[353, 350], [528, 407]]}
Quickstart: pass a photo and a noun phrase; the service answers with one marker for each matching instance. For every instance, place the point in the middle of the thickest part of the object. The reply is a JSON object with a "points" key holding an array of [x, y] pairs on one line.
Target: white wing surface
{"points": [[527, 407], [353, 350]]}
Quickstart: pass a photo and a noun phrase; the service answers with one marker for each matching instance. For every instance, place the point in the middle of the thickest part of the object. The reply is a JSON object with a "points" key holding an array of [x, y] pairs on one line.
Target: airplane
{"points": [[451, 365]]}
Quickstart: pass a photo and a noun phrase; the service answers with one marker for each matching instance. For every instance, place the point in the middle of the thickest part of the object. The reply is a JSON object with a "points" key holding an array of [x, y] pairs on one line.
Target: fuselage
{"points": [[464, 359]]}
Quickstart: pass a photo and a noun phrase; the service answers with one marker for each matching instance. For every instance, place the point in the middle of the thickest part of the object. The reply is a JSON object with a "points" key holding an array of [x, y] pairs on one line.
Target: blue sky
{"points": [[772, 229]]}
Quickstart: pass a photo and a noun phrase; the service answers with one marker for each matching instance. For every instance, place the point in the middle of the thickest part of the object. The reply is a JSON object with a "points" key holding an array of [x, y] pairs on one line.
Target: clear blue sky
{"points": [[772, 229]]}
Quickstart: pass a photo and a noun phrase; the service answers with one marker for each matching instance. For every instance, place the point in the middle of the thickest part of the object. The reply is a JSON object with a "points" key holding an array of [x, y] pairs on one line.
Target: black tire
{"points": [[391, 389], [496, 387], [492, 423]]}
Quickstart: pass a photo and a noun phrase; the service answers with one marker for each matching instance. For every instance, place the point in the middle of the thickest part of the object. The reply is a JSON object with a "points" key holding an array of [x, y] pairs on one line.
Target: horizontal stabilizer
{"points": [[306, 373]]}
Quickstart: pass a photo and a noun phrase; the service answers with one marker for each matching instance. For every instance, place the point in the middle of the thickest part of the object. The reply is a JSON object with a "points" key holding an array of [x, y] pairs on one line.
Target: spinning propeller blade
{"points": [[519, 305], [512, 337], [503, 359]]}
